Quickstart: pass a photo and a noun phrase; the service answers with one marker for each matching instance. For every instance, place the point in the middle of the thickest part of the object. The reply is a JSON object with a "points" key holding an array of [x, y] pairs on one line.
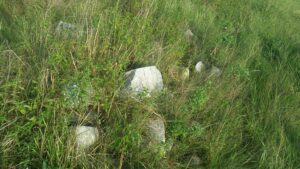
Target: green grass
{"points": [[247, 118]]}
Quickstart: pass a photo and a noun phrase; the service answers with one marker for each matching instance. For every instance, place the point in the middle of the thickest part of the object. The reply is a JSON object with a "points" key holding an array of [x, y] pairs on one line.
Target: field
{"points": [[247, 118]]}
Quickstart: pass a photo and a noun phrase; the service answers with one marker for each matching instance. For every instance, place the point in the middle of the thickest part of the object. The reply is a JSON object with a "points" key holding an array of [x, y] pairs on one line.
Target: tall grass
{"points": [[247, 118]]}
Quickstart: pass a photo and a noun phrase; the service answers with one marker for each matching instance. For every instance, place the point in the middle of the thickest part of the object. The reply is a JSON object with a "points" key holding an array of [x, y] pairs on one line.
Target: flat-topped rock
{"points": [[185, 74], [86, 136], [145, 79]]}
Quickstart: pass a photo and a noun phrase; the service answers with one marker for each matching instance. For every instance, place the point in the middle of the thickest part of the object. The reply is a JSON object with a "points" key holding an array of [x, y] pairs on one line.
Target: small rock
{"points": [[195, 160], [185, 74], [215, 72], [86, 136], [200, 67], [156, 130], [64, 26], [188, 33], [147, 79]]}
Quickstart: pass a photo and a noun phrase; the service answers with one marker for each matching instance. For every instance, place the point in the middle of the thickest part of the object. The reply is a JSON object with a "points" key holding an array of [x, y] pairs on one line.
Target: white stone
{"points": [[86, 136], [156, 130], [147, 79], [199, 67]]}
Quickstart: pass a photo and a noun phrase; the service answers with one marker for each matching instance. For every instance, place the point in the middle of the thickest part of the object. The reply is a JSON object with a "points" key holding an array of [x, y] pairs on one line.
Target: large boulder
{"points": [[86, 136], [146, 79]]}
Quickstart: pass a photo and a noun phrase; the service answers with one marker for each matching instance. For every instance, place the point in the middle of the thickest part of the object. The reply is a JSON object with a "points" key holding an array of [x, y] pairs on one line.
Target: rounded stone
{"points": [[86, 136], [143, 79], [199, 67], [215, 72]]}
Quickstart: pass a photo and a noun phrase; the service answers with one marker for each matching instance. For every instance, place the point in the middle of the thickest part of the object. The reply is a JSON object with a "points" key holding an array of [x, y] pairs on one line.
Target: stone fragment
{"points": [[86, 136], [146, 79], [69, 30]]}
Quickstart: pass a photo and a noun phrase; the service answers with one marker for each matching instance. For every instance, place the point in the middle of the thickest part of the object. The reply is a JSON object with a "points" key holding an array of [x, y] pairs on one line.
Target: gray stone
{"points": [[86, 136], [200, 67], [146, 79], [62, 26], [156, 130], [215, 72], [195, 160], [69, 30]]}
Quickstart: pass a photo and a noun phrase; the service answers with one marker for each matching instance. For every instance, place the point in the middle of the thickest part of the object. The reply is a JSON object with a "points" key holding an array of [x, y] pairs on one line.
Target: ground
{"points": [[247, 118]]}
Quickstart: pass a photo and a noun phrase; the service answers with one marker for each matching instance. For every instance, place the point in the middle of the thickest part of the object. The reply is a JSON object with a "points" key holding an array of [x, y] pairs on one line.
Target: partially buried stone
{"points": [[156, 130], [86, 136], [188, 33], [69, 30], [185, 74], [62, 26], [215, 72], [146, 79], [195, 160]]}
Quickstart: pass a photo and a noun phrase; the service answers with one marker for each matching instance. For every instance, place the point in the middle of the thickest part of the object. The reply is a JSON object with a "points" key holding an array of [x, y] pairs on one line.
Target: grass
{"points": [[247, 118]]}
